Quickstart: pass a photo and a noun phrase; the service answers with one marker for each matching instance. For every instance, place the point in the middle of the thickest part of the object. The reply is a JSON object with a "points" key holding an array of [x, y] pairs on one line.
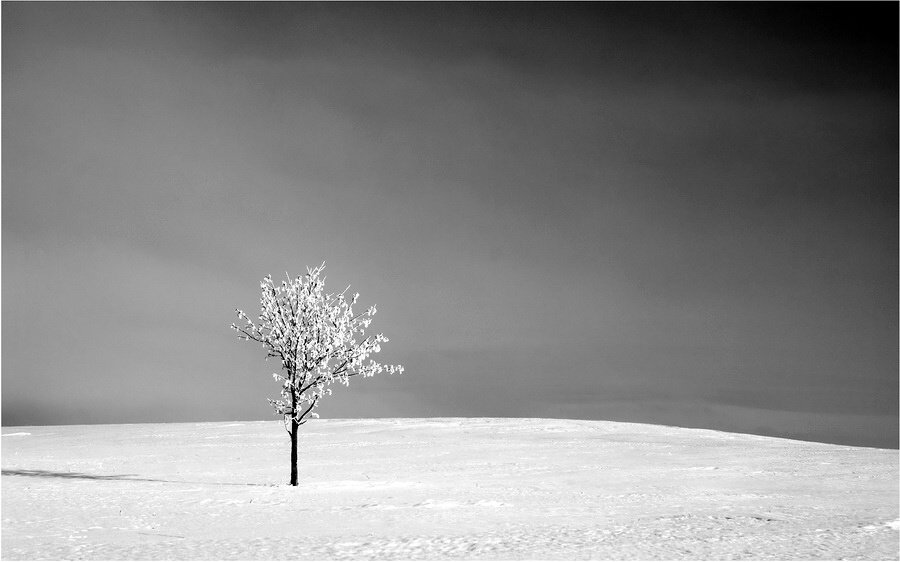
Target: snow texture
{"points": [[441, 489]]}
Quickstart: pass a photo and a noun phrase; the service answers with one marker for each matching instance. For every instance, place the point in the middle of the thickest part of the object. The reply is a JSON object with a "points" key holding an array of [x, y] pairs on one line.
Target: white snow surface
{"points": [[441, 488]]}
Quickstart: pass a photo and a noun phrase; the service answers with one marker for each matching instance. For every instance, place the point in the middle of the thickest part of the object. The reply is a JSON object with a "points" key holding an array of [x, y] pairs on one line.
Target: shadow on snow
{"points": [[112, 477]]}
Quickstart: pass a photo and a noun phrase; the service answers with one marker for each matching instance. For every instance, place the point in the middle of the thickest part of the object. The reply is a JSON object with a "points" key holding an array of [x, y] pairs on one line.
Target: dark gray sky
{"points": [[666, 213]]}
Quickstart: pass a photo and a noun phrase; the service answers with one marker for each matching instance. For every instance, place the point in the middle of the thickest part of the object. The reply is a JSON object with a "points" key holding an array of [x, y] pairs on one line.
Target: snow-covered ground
{"points": [[441, 489]]}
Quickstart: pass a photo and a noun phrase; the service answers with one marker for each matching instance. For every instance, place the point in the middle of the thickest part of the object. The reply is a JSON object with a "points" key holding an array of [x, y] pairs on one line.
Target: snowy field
{"points": [[441, 489]]}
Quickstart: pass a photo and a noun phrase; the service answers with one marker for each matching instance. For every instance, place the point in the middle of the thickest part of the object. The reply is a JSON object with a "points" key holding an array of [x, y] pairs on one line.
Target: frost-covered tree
{"points": [[318, 339]]}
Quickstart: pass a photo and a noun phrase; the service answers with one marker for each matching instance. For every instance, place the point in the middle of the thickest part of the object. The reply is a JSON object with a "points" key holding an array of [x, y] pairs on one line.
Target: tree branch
{"points": [[249, 335], [303, 415]]}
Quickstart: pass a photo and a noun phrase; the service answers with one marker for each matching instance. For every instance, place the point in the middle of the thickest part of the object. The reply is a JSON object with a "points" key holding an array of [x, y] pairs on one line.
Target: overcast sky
{"points": [[665, 213]]}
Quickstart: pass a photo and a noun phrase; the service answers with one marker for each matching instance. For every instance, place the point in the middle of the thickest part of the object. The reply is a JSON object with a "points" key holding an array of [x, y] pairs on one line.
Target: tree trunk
{"points": [[294, 426]]}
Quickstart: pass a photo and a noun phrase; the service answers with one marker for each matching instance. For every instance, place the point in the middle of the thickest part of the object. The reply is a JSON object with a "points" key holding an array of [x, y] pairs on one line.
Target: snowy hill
{"points": [[440, 489]]}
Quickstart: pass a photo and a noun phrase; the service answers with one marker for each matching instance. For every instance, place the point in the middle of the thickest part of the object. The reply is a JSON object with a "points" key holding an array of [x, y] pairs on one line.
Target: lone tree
{"points": [[317, 338]]}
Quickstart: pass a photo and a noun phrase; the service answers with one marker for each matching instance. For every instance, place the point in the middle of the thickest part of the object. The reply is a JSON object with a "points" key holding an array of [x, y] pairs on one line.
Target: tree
{"points": [[314, 335]]}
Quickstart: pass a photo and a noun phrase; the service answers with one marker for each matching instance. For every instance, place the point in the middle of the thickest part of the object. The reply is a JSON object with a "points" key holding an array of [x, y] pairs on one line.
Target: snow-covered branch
{"points": [[317, 336]]}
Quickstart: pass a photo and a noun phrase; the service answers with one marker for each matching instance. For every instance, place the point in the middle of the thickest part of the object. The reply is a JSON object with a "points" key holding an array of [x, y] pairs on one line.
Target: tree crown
{"points": [[317, 337]]}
